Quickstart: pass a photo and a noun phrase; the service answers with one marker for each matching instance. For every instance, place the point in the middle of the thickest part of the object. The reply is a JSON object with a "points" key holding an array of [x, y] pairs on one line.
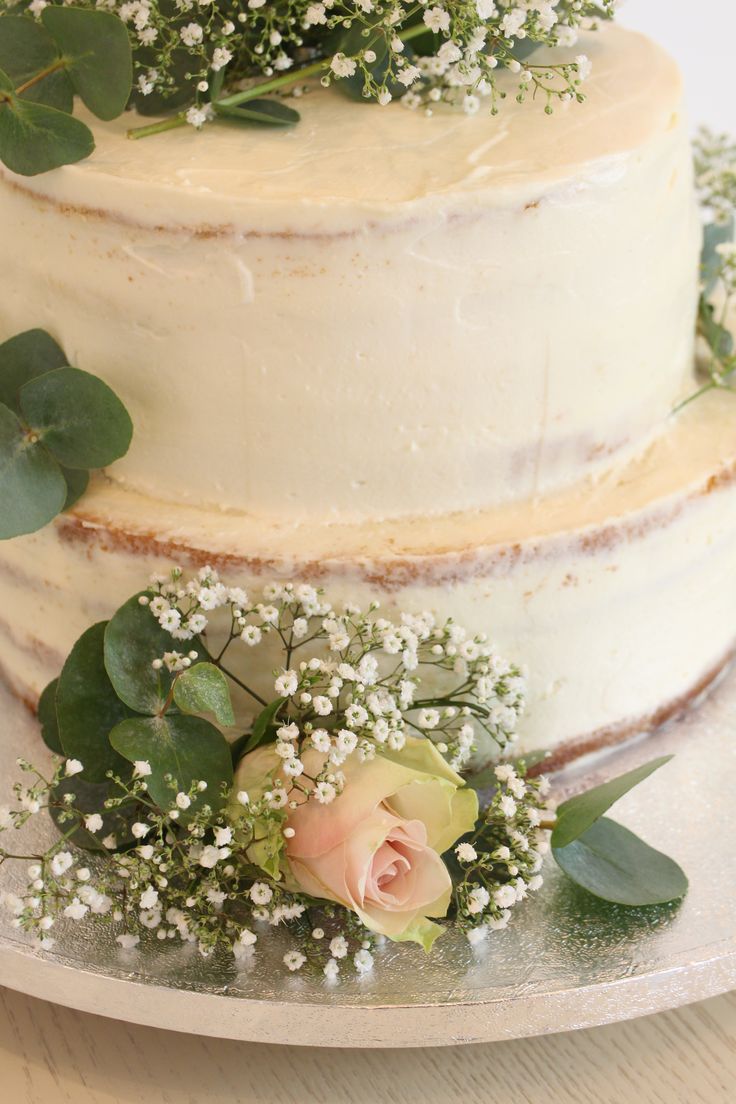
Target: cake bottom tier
{"points": [[619, 597]]}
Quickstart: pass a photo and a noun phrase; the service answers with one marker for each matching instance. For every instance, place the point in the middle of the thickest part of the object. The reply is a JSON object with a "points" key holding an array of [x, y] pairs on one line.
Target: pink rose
{"points": [[376, 849]]}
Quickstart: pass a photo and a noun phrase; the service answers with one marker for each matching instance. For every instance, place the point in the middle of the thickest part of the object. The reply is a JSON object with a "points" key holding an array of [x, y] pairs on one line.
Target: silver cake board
{"points": [[566, 961]]}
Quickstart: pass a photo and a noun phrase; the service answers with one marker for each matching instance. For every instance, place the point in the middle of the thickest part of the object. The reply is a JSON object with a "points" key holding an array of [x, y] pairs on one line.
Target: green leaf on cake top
{"points": [[56, 422], [607, 859], [270, 112], [96, 53], [42, 66]]}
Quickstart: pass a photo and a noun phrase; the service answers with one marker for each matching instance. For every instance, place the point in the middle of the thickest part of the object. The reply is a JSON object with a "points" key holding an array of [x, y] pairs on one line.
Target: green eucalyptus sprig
{"points": [[56, 423], [43, 65]]}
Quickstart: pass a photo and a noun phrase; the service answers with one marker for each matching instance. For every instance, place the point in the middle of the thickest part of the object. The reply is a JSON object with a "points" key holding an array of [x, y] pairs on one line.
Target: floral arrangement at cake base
{"points": [[351, 810]]}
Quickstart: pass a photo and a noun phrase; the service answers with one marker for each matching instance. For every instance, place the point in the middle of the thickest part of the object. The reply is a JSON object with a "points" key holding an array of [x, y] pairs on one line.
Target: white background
{"points": [[702, 36]]}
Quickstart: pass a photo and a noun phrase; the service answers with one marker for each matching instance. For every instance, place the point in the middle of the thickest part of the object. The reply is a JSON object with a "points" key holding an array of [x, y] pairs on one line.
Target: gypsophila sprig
{"points": [[209, 60], [348, 681]]}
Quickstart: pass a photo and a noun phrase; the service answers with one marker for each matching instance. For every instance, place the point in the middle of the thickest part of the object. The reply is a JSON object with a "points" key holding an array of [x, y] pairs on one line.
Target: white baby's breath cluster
{"points": [[501, 863], [159, 879], [423, 52], [351, 681]]}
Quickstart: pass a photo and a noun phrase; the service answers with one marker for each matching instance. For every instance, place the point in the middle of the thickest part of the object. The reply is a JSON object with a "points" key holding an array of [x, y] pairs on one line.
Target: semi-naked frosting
{"points": [[431, 361], [377, 314]]}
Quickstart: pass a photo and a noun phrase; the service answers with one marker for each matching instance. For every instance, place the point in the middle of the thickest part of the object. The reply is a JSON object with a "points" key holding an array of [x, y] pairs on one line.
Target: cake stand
{"points": [[566, 961]]}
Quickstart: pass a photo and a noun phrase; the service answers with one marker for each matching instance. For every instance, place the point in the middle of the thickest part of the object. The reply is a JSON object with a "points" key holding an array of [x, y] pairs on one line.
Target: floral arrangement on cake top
{"points": [[352, 809], [207, 60]]}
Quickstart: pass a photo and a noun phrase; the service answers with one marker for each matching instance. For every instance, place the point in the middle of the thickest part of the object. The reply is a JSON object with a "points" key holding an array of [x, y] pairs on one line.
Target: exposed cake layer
{"points": [[620, 603], [376, 313]]}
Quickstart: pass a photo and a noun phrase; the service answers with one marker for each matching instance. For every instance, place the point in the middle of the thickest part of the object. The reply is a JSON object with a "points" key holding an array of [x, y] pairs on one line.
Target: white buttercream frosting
{"points": [[376, 313]]}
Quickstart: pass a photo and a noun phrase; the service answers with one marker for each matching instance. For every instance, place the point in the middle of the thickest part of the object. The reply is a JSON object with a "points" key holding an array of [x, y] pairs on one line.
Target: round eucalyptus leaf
{"points": [[26, 49], [204, 689], [35, 138], [87, 708], [32, 488], [133, 639], [90, 797], [96, 47], [80, 419], [188, 749], [614, 864], [47, 718], [23, 357], [263, 111], [77, 481]]}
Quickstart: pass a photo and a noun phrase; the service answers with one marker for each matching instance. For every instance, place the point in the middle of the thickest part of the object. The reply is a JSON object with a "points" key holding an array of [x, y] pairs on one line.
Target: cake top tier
{"points": [[370, 158]]}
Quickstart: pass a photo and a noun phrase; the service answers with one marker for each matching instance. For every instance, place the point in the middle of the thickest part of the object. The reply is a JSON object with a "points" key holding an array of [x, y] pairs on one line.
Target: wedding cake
{"points": [[428, 359]]}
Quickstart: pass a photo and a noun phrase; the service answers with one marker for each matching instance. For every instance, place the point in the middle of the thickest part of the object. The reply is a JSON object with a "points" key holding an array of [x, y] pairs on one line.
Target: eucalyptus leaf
{"points": [[204, 689], [718, 337], [26, 50], [77, 481], [32, 487], [133, 639], [24, 357], [47, 718], [578, 813], [188, 749], [90, 797], [80, 419], [96, 48], [88, 708], [263, 722], [268, 112], [35, 138], [614, 864]]}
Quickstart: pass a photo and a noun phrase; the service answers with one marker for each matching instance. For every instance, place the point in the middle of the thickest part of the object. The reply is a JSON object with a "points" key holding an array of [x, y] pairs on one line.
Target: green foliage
{"points": [[80, 420], [614, 864], [268, 112], [607, 859], [87, 707], [55, 423], [42, 65], [264, 726], [47, 718], [25, 50], [24, 357], [97, 56], [77, 481], [204, 689], [714, 234], [577, 814], [133, 639], [35, 138], [32, 487], [182, 751]]}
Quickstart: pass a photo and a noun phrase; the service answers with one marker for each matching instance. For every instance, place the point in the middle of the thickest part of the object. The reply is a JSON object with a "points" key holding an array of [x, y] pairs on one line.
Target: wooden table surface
{"points": [[50, 1055]]}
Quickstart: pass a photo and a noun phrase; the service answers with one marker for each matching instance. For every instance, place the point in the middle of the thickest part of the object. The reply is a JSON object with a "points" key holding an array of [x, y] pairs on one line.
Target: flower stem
{"points": [[53, 68], [233, 100]]}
